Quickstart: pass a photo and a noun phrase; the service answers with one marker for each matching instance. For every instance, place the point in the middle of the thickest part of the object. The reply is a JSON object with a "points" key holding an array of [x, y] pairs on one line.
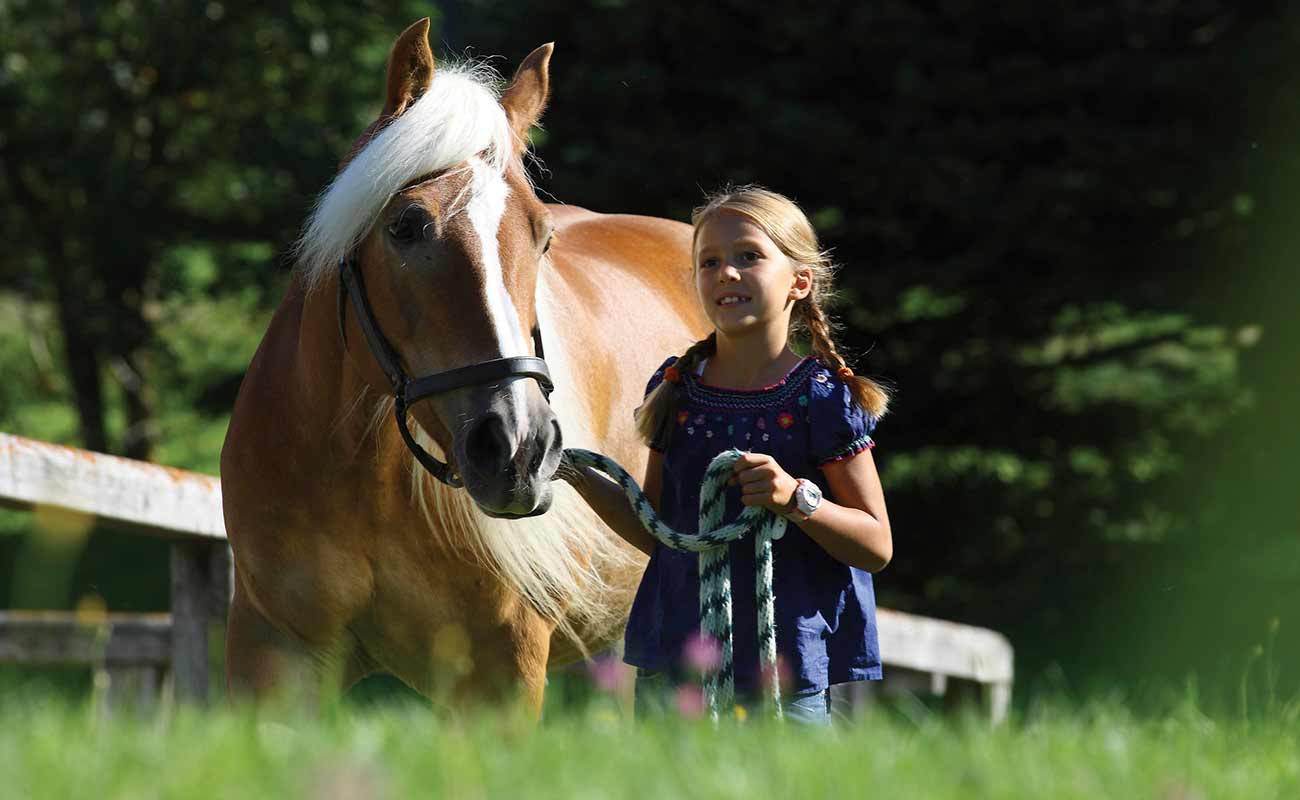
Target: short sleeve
{"points": [[654, 381], [658, 377], [840, 428]]}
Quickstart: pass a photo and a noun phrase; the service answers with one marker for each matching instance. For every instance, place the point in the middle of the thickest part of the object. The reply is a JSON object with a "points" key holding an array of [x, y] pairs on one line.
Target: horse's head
{"points": [[438, 213]]}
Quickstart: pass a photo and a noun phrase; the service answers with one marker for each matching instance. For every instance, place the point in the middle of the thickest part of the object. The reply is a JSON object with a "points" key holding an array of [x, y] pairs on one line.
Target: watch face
{"points": [[808, 496]]}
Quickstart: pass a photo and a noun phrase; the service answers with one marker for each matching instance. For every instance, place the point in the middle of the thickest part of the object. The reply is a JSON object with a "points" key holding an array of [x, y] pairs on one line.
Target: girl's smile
{"points": [[743, 279]]}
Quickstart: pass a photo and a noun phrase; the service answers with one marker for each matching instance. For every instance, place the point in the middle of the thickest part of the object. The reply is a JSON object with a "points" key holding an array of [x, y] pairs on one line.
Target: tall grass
{"points": [[61, 749]]}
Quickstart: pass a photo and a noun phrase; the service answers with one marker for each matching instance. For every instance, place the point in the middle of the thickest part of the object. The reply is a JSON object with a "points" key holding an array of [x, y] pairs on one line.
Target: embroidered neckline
{"points": [[699, 373], [723, 399]]}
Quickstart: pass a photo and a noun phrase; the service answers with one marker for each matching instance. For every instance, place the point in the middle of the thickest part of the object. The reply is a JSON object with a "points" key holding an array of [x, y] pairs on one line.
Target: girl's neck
{"points": [[749, 364]]}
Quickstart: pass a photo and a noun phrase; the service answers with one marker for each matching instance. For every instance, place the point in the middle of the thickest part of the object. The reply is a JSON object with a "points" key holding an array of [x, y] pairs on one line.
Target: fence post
{"points": [[200, 577]]}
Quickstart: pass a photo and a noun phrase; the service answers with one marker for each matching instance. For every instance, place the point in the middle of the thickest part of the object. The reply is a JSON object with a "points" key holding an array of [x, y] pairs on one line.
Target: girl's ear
{"points": [[803, 283]]}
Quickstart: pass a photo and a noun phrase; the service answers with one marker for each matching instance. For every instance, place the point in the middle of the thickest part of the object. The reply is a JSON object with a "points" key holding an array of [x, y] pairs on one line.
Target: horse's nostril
{"points": [[548, 441], [487, 445]]}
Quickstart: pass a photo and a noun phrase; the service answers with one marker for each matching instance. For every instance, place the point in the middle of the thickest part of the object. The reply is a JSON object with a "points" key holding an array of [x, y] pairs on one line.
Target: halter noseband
{"points": [[409, 391]]}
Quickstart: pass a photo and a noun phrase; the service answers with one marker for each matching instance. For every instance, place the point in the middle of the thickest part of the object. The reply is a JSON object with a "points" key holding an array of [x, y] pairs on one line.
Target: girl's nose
{"points": [[728, 273]]}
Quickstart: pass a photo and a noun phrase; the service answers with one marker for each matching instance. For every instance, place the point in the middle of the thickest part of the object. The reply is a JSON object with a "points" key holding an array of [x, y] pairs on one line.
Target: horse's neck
{"points": [[567, 359], [332, 390]]}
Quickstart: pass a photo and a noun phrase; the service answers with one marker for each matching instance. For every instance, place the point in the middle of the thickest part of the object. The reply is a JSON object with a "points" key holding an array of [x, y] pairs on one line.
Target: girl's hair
{"points": [[787, 226]]}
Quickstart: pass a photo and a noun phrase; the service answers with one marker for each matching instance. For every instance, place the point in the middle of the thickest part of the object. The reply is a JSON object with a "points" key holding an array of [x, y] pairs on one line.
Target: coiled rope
{"points": [[715, 570]]}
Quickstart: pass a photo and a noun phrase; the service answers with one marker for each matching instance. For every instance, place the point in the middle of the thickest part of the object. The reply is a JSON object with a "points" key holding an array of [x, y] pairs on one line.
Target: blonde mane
{"points": [[458, 117]]}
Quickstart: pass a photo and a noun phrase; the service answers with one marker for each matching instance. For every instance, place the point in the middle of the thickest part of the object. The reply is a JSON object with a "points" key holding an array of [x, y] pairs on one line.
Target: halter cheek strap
{"points": [[408, 391]]}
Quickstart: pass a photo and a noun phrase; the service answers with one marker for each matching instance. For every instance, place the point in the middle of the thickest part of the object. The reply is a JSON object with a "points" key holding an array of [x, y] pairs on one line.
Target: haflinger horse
{"points": [[431, 282]]}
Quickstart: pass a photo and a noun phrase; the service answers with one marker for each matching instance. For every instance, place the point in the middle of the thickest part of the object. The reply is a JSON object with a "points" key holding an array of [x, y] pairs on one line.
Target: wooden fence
{"points": [[136, 655]]}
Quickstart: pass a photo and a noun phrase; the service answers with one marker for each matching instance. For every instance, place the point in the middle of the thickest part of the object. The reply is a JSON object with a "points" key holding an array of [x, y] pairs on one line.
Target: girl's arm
{"points": [[854, 531], [606, 497]]}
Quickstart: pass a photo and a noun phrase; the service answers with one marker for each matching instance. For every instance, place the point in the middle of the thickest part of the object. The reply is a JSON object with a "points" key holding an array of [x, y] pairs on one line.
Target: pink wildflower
{"points": [[782, 670], [702, 653], [609, 675], [690, 701]]}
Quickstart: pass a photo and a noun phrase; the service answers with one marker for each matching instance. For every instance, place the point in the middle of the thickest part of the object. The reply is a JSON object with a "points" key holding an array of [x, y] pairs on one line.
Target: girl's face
{"points": [[743, 280]]}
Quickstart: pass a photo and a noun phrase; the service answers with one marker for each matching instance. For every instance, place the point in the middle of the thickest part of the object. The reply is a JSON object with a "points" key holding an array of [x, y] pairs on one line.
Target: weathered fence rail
{"points": [[921, 655], [182, 507], [130, 653]]}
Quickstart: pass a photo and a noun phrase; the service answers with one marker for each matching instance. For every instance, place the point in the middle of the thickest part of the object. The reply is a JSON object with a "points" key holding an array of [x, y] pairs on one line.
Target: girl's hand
{"points": [[576, 477], [763, 482]]}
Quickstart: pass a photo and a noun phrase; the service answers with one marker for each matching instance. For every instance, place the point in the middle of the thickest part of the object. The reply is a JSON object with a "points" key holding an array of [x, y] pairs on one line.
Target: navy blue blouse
{"points": [[825, 610]]}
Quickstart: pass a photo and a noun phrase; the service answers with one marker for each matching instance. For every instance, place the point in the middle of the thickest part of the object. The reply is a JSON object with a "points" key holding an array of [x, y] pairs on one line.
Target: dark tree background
{"points": [[1064, 231]]}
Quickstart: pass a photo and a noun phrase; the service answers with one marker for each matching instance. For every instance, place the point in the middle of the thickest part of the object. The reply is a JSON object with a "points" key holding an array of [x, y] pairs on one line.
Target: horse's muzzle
{"points": [[506, 480]]}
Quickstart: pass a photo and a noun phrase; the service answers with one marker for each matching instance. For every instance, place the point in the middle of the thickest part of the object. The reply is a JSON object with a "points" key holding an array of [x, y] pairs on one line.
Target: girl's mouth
{"points": [[733, 300]]}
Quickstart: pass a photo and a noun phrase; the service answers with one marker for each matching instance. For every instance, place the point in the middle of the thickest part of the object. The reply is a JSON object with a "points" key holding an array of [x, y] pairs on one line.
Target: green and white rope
{"points": [[715, 570]]}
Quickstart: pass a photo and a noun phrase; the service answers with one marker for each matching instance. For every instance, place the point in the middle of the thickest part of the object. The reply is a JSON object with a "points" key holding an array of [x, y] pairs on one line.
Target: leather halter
{"points": [[408, 391]]}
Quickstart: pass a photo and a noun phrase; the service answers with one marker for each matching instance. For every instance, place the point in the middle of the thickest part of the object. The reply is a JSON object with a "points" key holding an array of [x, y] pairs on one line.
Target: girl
{"points": [[805, 423]]}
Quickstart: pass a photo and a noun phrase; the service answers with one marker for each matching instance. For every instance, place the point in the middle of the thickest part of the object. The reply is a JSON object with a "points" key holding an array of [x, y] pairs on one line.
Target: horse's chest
{"points": [[427, 603]]}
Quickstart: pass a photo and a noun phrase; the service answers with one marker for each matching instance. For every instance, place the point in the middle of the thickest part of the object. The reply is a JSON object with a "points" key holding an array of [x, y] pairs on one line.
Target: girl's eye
{"points": [[752, 255], [709, 263]]}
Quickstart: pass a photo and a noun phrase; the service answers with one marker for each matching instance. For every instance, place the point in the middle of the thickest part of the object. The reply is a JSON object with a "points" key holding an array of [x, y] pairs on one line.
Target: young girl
{"points": [[805, 424]]}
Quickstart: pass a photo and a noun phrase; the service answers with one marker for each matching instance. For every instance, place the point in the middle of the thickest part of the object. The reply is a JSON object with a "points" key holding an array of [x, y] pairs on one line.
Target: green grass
{"points": [[396, 751]]}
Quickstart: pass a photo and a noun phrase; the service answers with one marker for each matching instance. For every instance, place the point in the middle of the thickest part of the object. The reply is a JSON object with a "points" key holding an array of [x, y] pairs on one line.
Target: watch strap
{"points": [[792, 511]]}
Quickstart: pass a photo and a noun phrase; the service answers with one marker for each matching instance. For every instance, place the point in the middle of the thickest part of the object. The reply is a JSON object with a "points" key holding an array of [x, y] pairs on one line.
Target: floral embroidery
{"points": [[765, 437], [681, 417], [699, 420], [708, 434], [762, 423], [785, 419], [803, 400], [731, 429], [690, 431]]}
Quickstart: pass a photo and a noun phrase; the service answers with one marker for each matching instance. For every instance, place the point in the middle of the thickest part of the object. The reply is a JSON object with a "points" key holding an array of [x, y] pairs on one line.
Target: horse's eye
{"points": [[403, 230], [546, 248]]}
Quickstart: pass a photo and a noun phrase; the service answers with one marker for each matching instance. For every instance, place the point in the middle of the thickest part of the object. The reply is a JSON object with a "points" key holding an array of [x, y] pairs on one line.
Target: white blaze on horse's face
{"points": [[487, 204]]}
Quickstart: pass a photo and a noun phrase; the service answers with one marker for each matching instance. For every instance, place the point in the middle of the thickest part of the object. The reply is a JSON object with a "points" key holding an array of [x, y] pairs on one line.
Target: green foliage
{"points": [[154, 151]]}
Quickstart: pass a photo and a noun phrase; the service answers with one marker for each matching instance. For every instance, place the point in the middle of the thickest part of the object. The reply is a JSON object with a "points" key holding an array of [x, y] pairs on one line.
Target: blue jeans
{"points": [[656, 695]]}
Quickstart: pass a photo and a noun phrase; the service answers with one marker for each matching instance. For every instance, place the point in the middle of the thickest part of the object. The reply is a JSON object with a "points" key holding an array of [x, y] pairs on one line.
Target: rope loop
{"points": [[715, 570]]}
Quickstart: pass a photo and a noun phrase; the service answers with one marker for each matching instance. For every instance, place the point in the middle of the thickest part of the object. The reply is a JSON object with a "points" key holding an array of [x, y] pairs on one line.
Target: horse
{"points": [[412, 525]]}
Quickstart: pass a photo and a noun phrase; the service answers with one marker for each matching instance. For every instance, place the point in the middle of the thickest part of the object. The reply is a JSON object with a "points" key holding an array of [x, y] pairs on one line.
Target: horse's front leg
{"points": [[504, 667], [265, 661]]}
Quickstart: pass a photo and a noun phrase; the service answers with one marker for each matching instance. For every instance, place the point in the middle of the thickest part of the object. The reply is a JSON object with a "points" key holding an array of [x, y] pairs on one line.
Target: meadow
{"points": [[66, 749]]}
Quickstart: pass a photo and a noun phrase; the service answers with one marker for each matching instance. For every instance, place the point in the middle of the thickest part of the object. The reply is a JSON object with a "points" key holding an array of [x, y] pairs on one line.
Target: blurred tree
{"points": [[1034, 205], [133, 127]]}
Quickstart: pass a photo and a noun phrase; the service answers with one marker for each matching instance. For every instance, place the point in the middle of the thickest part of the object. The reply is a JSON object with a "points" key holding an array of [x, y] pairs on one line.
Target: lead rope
{"points": [[715, 571]]}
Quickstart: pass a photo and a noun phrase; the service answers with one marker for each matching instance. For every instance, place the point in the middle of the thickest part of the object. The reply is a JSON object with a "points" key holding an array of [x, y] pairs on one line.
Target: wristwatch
{"points": [[807, 497]]}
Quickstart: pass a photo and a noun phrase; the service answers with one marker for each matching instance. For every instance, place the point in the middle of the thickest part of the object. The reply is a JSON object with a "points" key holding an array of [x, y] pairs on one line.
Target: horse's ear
{"points": [[410, 68], [525, 99]]}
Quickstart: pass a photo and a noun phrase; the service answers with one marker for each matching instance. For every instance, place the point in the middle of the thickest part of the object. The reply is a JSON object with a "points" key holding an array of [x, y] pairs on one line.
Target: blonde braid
{"points": [[654, 417], [871, 396]]}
